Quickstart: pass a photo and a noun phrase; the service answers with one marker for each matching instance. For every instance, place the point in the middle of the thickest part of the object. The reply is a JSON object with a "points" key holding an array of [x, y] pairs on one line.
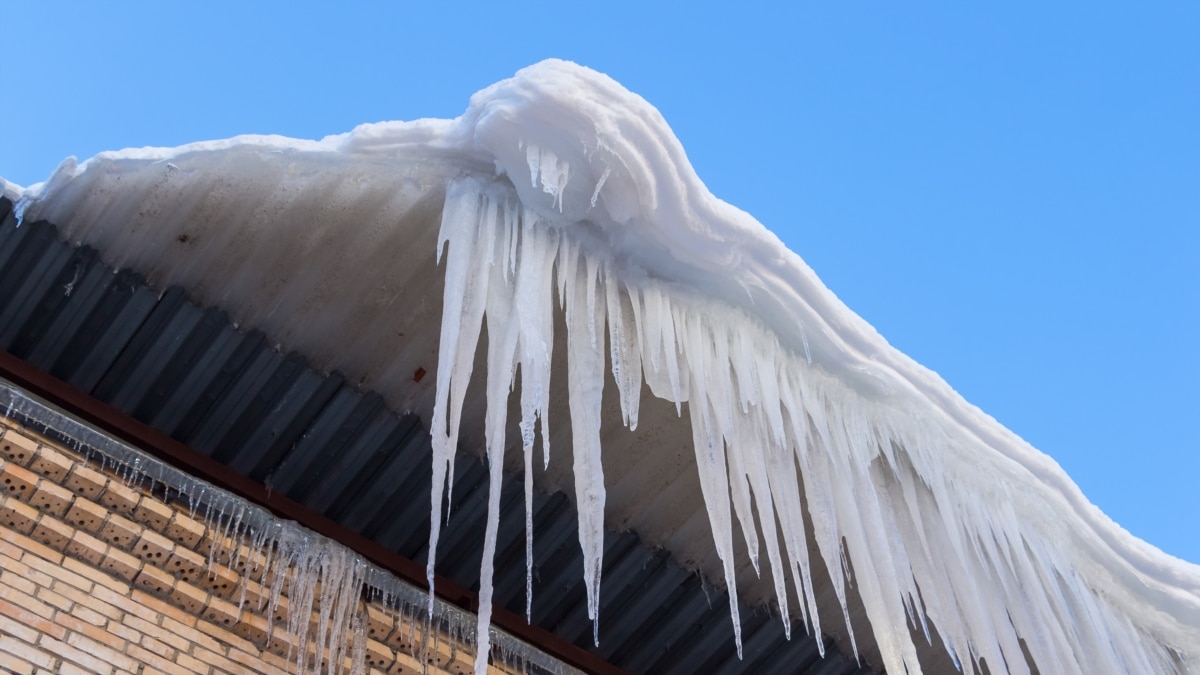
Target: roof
{"points": [[338, 451], [763, 412]]}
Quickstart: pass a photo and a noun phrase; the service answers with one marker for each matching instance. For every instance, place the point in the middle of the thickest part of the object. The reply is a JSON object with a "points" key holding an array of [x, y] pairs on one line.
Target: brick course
{"points": [[100, 576]]}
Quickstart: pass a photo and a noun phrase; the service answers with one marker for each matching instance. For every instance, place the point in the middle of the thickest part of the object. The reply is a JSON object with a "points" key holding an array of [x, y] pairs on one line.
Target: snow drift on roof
{"points": [[560, 186]]}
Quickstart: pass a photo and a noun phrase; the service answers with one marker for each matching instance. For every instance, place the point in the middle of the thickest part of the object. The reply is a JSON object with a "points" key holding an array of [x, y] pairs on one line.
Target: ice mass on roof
{"points": [[566, 200]]}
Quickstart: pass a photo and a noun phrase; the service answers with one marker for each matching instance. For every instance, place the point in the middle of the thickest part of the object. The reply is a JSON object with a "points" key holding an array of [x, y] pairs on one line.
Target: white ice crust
{"points": [[11, 191], [563, 187]]}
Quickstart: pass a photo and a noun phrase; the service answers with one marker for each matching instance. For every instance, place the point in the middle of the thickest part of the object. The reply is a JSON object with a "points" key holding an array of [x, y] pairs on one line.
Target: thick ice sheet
{"points": [[563, 188]]}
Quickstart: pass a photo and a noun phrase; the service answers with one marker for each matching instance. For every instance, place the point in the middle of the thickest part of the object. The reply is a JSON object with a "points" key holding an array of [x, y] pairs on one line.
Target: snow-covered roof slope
{"points": [[560, 197], [10, 191]]}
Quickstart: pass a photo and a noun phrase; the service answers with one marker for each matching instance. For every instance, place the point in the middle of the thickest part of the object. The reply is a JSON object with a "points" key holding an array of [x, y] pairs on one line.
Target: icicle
{"points": [[585, 381]]}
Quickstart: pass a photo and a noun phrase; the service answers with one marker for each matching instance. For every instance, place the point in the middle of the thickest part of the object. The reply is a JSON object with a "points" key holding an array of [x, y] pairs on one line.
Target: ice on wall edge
{"points": [[568, 193]]}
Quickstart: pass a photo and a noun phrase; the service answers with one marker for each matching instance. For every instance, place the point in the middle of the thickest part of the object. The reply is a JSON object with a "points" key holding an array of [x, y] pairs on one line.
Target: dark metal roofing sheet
{"points": [[187, 372]]}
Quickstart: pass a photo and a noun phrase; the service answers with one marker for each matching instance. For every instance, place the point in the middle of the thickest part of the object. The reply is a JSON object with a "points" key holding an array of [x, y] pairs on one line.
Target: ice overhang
{"points": [[806, 430]]}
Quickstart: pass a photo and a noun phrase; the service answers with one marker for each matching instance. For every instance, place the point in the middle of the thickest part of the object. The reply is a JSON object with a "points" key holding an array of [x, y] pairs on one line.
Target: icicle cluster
{"points": [[296, 573], [892, 492], [563, 188]]}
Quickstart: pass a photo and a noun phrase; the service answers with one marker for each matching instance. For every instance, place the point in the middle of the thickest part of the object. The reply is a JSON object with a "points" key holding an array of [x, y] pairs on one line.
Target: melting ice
{"points": [[563, 194]]}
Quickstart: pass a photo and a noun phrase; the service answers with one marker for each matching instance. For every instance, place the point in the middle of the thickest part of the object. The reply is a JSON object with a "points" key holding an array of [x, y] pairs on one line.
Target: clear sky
{"points": [[1010, 194]]}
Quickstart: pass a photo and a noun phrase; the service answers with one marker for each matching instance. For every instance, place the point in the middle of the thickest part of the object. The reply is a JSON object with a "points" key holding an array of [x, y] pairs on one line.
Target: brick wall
{"points": [[97, 576]]}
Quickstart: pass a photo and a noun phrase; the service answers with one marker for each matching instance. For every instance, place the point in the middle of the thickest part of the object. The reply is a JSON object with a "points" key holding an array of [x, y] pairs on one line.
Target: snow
{"points": [[11, 191], [560, 186]]}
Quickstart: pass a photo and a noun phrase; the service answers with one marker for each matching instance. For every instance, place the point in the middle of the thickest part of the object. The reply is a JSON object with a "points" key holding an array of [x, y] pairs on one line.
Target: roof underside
{"points": [[339, 450]]}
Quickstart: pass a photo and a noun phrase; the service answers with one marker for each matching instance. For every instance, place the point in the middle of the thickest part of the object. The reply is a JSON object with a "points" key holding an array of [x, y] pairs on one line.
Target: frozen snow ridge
{"points": [[563, 192], [796, 406]]}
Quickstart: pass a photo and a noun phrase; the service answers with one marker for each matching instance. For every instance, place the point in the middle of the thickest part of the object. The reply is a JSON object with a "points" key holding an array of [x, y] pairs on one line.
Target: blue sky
{"points": [[1010, 194]]}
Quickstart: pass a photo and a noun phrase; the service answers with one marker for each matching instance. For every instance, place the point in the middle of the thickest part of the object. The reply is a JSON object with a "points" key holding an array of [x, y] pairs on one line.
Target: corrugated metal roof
{"points": [[229, 394]]}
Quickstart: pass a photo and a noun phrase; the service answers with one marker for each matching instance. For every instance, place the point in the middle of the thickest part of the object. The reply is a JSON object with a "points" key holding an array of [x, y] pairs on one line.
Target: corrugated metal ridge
{"points": [[188, 373]]}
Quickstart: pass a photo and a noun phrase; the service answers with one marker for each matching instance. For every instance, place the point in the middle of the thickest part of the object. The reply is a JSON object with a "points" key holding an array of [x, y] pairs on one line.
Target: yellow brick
{"points": [[406, 665], [278, 660], [120, 531], [156, 604], [121, 564], [11, 576], [152, 513], [127, 633], [57, 571], [12, 565], [189, 598], [51, 463], [17, 448], [222, 616], [86, 515], [54, 599], [380, 624], [28, 610], [97, 573], [191, 664], [221, 581], [255, 663], [35, 548], [18, 629], [76, 625], [253, 627], [68, 668], [153, 660], [18, 481], [109, 655], [119, 498], [52, 532], [50, 498], [172, 633], [379, 655], [84, 546], [85, 482], [17, 515], [153, 548], [185, 531], [219, 663], [154, 580], [84, 613], [13, 653], [88, 603], [186, 564]]}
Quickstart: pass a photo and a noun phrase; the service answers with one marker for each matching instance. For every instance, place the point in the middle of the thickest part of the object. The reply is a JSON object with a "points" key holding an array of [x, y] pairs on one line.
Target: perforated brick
{"points": [[380, 624], [253, 627], [17, 515], [220, 612], [186, 564], [85, 482], [189, 598], [50, 498], [154, 580], [184, 530], [121, 564], [379, 655], [86, 515], [153, 548], [17, 448], [86, 547], [51, 463], [220, 581], [119, 497], [153, 514], [120, 531], [17, 481], [52, 532]]}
